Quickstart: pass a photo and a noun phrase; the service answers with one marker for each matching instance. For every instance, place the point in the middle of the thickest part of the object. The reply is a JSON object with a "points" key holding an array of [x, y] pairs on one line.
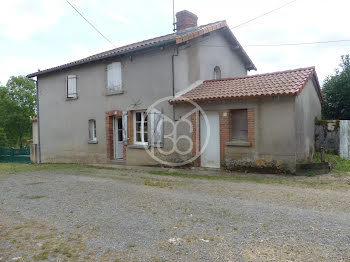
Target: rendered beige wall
{"points": [[35, 131], [274, 130], [198, 58], [307, 108], [147, 77]]}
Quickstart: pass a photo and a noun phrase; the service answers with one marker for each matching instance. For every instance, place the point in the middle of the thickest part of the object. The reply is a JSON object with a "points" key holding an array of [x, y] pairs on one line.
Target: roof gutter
{"points": [[81, 62]]}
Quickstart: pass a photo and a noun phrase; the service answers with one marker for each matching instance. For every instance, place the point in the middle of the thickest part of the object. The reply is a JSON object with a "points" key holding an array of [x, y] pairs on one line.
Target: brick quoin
{"points": [[196, 147], [251, 126], [109, 133], [130, 128], [225, 133]]}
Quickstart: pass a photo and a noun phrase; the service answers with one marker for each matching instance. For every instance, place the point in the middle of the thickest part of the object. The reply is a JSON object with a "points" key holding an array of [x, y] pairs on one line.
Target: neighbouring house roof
{"points": [[290, 82], [175, 38]]}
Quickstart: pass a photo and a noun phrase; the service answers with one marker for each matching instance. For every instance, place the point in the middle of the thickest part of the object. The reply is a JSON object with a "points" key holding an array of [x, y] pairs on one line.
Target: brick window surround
{"points": [[225, 132], [110, 136], [196, 141], [251, 126], [225, 119]]}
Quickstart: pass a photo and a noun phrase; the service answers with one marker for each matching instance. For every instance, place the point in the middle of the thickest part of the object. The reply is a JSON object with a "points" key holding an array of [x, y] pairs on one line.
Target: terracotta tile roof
{"points": [[178, 37], [289, 82]]}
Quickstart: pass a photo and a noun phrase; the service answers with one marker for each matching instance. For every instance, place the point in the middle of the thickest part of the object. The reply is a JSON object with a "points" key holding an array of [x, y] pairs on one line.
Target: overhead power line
{"points": [[94, 27], [264, 14], [288, 44], [259, 16], [303, 43]]}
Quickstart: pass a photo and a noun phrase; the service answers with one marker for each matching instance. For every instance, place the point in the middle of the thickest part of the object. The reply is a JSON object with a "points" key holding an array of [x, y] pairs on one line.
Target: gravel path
{"points": [[130, 215]]}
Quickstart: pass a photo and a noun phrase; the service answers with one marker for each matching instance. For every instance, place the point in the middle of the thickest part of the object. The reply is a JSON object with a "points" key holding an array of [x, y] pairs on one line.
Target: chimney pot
{"points": [[185, 19]]}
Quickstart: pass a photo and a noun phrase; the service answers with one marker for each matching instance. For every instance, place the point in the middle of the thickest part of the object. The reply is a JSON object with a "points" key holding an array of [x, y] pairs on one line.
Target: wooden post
{"points": [[322, 155]]}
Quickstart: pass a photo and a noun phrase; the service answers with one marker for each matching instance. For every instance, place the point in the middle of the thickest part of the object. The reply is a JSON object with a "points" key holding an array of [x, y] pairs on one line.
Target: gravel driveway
{"points": [[89, 214]]}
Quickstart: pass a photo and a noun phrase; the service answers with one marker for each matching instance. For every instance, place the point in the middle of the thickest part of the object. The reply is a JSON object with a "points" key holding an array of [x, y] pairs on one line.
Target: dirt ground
{"points": [[85, 213]]}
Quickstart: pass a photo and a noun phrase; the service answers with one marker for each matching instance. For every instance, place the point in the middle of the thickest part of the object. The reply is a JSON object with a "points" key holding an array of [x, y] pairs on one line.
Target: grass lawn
{"points": [[12, 168], [339, 165]]}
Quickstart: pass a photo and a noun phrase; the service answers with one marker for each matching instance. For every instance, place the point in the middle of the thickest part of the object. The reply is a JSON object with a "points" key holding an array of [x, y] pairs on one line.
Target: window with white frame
{"points": [[114, 77], [92, 130], [140, 128], [71, 87], [217, 72]]}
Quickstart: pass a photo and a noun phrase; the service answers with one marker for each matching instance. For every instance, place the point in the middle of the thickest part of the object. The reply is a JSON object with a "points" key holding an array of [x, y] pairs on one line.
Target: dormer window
{"points": [[217, 72]]}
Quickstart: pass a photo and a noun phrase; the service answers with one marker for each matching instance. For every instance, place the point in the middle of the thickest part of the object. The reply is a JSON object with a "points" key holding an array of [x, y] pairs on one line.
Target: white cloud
{"points": [[302, 21], [107, 9], [14, 65], [81, 51], [19, 19]]}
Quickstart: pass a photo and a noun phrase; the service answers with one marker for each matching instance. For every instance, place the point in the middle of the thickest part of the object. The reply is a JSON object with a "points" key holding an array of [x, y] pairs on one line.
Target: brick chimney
{"points": [[185, 19]]}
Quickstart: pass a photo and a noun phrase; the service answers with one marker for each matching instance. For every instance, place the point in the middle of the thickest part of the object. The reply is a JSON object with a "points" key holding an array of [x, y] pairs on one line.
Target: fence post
{"points": [[12, 154], [322, 155]]}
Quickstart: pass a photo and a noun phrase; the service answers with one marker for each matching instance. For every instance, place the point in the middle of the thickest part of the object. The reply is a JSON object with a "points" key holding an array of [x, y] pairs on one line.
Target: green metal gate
{"points": [[21, 155]]}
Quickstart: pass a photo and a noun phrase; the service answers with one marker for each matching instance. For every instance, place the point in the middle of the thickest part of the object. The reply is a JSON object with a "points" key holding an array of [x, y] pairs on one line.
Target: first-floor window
{"points": [[141, 128], [239, 124], [72, 86], [114, 77], [92, 130], [217, 72]]}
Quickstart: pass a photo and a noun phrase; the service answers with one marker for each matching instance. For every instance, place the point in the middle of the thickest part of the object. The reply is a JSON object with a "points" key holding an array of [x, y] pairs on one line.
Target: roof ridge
{"points": [[261, 75], [148, 43], [194, 28], [125, 46], [152, 39]]}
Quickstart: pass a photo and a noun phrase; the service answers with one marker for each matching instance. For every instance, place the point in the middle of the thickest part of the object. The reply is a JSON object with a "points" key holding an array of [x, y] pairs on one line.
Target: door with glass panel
{"points": [[118, 138]]}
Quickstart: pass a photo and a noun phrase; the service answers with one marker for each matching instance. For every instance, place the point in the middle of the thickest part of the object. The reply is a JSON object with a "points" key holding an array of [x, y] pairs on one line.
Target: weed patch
{"points": [[310, 174], [34, 183], [158, 183], [13, 168], [338, 164], [33, 197]]}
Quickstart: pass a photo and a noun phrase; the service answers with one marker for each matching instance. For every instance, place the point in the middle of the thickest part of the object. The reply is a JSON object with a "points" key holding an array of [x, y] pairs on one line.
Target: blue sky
{"points": [[41, 33]]}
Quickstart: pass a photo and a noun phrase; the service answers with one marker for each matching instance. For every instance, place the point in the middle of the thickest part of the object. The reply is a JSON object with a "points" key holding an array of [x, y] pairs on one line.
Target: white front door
{"points": [[118, 138], [210, 156]]}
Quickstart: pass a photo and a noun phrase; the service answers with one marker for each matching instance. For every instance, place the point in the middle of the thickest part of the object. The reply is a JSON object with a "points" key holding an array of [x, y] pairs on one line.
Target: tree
{"points": [[17, 104], [23, 91], [336, 90], [3, 138]]}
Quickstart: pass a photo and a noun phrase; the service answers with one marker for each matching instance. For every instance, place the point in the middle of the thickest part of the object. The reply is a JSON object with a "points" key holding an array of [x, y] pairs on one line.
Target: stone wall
{"points": [[327, 136], [333, 136]]}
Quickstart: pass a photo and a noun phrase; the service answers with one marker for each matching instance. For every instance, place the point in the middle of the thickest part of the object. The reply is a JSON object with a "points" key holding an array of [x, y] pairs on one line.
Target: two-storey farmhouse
{"points": [[94, 110]]}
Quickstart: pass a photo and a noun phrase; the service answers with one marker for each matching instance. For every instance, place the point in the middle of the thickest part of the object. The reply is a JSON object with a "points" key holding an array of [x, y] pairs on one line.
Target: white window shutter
{"points": [[71, 86], [110, 76], [156, 128], [114, 76], [125, 127]]}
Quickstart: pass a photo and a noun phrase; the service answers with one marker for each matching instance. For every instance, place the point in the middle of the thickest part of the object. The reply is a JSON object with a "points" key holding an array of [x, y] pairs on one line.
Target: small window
{"points": [[239, 124], [140, 128], [114, 77], [92, 130], [72, 86], [217, 72]]}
